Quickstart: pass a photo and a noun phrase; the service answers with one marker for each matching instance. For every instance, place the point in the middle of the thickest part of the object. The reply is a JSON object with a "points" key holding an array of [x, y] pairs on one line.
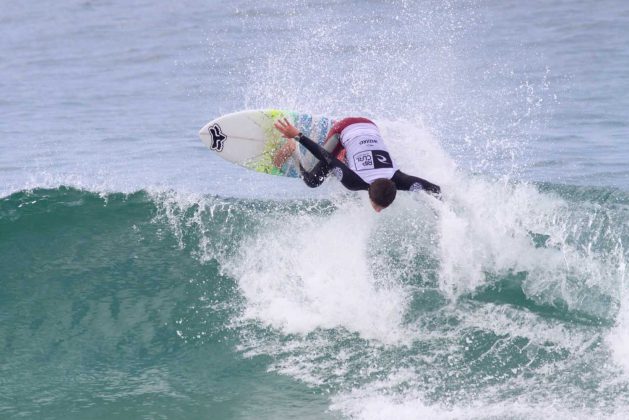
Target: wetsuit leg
{"points": [[407, 182], [348, 178], [316, 176], [332, 144]]}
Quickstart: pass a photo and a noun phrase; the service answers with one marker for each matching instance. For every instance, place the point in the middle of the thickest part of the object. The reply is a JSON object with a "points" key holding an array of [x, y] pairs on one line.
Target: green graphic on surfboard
{"points": [[249, 139]]}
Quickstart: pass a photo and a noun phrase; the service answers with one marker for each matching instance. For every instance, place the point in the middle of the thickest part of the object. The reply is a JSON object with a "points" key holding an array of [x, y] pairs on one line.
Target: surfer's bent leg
{"points": [[320, 171], [318, 151], [407, 182], [316, 176], [348, 178], [332, 144]]}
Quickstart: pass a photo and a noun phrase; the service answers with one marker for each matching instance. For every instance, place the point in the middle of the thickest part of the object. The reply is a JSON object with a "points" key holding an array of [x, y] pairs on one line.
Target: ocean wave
{"points": [[500, 287], [553, 245]]}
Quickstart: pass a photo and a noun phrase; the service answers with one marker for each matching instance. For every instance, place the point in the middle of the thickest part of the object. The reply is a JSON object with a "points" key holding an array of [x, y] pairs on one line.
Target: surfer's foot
{"points": [[283, 153]]}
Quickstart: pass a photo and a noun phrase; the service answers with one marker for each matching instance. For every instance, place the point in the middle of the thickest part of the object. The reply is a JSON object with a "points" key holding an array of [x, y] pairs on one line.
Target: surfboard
{"points": [[249, 139]]}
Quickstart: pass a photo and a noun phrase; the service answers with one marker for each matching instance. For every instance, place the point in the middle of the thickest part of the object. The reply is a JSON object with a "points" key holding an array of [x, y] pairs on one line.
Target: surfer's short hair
{"points": [[382, 192]]}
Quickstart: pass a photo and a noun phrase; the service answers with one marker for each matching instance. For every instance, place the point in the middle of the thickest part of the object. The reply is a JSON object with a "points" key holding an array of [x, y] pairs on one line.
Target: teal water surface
{"points": [[129, 305], [98, 301]]}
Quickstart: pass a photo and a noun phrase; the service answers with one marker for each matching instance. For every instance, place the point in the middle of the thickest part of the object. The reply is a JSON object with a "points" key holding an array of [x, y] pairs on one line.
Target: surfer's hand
{"points": [[286, 128], [284, 153]]}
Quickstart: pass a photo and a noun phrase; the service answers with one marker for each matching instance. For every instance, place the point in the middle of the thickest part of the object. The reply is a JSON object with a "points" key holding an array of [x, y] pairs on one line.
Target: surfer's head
{"points": [[382, 193]]}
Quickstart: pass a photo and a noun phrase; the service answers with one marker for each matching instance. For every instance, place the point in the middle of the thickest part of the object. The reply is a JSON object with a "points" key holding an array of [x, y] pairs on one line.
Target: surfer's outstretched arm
{"points": [[348, 178], [407, 182]]}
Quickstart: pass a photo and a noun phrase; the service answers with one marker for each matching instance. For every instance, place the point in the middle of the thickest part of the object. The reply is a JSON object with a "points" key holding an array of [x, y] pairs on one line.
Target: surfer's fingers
{"points": [[282, 128], [286, 122]]}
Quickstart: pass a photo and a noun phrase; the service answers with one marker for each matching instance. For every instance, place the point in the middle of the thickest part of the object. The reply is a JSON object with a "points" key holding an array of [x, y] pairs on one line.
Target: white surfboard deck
{"points": [[249, 139]]}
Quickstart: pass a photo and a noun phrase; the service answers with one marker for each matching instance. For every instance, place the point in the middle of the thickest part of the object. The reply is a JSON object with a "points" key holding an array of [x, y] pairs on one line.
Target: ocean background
{"points": [[141, 276]]}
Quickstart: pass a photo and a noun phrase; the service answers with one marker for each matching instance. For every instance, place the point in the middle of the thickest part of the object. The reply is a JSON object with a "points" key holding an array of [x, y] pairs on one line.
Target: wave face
{"points": [[173, 305]]}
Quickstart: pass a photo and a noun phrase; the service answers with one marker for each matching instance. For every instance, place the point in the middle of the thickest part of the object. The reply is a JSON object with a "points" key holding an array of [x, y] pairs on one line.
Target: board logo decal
{"points": [[218, 138]]}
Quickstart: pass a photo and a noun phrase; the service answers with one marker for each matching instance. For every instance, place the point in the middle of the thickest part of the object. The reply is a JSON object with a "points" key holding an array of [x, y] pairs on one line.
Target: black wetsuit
{"points": [[350, 180]]}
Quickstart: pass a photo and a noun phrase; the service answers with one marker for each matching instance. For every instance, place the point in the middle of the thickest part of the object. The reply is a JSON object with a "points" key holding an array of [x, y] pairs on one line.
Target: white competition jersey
{"points": [[366, 153]]}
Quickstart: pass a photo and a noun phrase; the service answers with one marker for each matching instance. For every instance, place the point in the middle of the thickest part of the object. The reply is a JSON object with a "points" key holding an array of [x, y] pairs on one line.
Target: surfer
{"points": [[369, 166]]}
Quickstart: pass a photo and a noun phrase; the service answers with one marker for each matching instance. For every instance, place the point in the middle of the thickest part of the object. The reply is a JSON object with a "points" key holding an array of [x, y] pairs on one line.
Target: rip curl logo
{"points": [[382, 159], [218, 138], [372, 159]]}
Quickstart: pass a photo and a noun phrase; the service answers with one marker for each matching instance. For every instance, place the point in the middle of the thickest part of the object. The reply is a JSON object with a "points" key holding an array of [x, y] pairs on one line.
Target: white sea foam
{"points": [[352, 272], [305, 272], [412, 407], [618, 339], [485, 229]]}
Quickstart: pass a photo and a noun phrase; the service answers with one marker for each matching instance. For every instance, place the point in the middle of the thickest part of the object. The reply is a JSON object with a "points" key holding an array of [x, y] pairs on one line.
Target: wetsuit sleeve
{"points": [[348, 178], [407, 182], [318, 151]]}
